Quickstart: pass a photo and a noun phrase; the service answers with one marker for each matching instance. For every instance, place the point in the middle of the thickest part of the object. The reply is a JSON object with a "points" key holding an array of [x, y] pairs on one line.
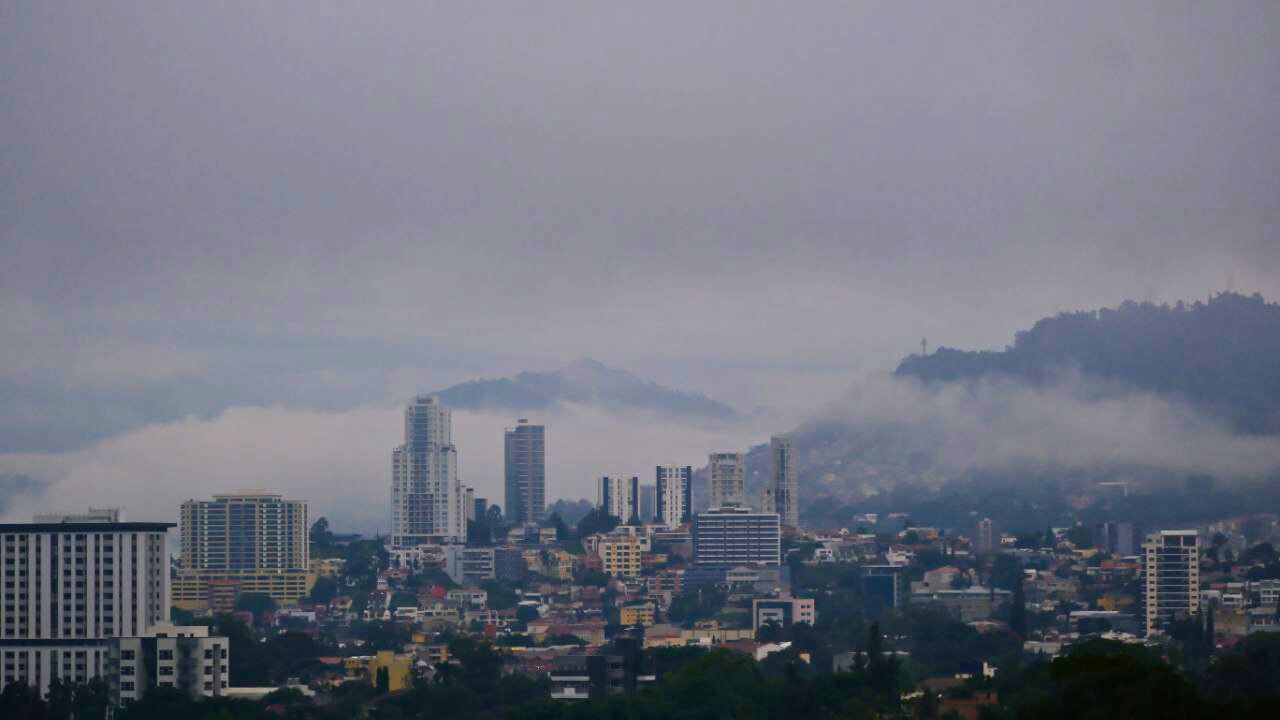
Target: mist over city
{"points": [[936, 300]]}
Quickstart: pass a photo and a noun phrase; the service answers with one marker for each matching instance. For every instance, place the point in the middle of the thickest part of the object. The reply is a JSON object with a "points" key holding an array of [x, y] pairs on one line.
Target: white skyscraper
{"points": [[727, 479], [784, 486], [675, 494], [71, 585], [426, 493], [1171, 577]]}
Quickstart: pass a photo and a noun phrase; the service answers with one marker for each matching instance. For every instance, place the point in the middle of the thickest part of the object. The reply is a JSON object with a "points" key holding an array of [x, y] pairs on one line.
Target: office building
{"points": [[987, 539], [783, 612], [621, 668], [736, 536], [173, 656], [1171, 577], [886, 584], [426, 494], [526, 473], [969, 604], [72, 583], [481, 508], [727, 472], [619, 496], [251, 542], [648, 503], [784, 485], [473, 565], [675, 494], [1123, 539]]}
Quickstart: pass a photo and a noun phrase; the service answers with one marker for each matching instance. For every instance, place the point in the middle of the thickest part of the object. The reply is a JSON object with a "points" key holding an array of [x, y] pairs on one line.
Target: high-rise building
{"points": [[987, 539], [526, 473], [648, 503], [1118, 538], [253, 542], [784, 485], [72, 583], [1171, 577], [481, 509], [469, 503], [174, 656], [736, 536], [426, 493], [675, 494], [620, 496], [727, 479]]}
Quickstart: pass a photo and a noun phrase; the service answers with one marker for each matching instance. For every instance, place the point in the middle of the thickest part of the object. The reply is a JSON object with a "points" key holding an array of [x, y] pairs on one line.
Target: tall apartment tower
{"points": [[620, 496], [675, 494], [72, 584], [245, 542], [526, 472], [1171, 577], [784, 484], [426, 493], [728, 473], [648, 503], [987, 538]]}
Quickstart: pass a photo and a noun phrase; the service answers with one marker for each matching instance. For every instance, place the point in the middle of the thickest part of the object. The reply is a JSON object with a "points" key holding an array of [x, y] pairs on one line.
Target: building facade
{"points": [[1171, 577], [784, 482], [620, 496], [71, 587], [175, 656], [783, 612], [987, 538], [675, 494], [426, 493], [253, 542], [620, 555], [736, 536], [648, 503], [727, 479], [526, 472], [887, 583]]}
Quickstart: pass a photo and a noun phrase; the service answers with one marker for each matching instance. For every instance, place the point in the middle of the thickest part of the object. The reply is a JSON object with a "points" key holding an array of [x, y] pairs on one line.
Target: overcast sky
{"points": [[214, 205]]}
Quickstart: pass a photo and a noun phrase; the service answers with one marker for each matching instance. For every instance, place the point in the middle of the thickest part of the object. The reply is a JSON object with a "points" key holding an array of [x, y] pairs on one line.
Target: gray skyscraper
{"points": [[526, 473], [426, 494], [727, 474], [675, 494], [784, 483], [648, 503]]}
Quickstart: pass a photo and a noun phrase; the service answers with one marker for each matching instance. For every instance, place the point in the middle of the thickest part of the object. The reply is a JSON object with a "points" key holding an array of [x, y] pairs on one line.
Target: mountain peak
{"points": [[584, 381]]}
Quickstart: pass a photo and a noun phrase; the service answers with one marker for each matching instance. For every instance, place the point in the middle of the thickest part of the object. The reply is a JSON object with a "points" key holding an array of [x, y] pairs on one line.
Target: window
{"points": [[126, 686], [166, 654], [165, 670], [126, 670], [126, 655]]}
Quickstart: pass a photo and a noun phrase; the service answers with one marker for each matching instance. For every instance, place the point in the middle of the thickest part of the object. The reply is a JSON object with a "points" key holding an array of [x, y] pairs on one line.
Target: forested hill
{"points": [[1222, 355]]}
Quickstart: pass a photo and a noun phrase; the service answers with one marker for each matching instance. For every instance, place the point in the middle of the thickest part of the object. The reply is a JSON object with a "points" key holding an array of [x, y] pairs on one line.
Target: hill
{"points": [[587, 382], [1222, 356]]}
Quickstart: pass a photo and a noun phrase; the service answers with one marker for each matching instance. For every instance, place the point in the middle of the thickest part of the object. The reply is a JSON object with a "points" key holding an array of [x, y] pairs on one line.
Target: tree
{"points": [[1018, 611], [323, 592], [383, 681], [256, 603], [320, 534]]}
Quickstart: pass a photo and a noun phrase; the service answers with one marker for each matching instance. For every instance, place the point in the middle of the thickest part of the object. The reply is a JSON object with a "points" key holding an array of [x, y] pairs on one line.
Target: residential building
{"points": [[887, 583], [966, 605], [727, 479], [426, 494], [70, 587], [987, 539], [619, 669], [251, 542], [469, 503], [526, 472], [736, 536], [674, 494], [620, 555], [619, 496], [782, 612], [473, 565], [365, 668], [636, 614], [174, 656], [1171, 577], [784, 485]]}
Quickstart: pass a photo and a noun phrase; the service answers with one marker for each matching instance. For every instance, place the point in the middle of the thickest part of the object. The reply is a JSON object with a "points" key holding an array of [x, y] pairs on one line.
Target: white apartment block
{"points": [[176, 656], [620, 496], [1171, 577], [675, 494], [426, 493], [728, 474], [71, 584], [252, 541]]}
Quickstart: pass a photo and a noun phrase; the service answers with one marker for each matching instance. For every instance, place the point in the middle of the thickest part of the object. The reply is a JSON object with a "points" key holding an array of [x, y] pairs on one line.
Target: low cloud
{"points": [[1072, 423], [340, 461]]}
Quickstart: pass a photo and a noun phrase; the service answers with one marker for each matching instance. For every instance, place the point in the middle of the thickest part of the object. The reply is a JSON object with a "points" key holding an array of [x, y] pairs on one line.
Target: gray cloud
{"points": [[208, 206]]}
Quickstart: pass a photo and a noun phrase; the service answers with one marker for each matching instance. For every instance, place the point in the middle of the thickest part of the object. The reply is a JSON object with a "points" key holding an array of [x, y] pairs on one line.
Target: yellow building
{"points": [[632, 615], [620, 556], [192, 588], [399, 669]]}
